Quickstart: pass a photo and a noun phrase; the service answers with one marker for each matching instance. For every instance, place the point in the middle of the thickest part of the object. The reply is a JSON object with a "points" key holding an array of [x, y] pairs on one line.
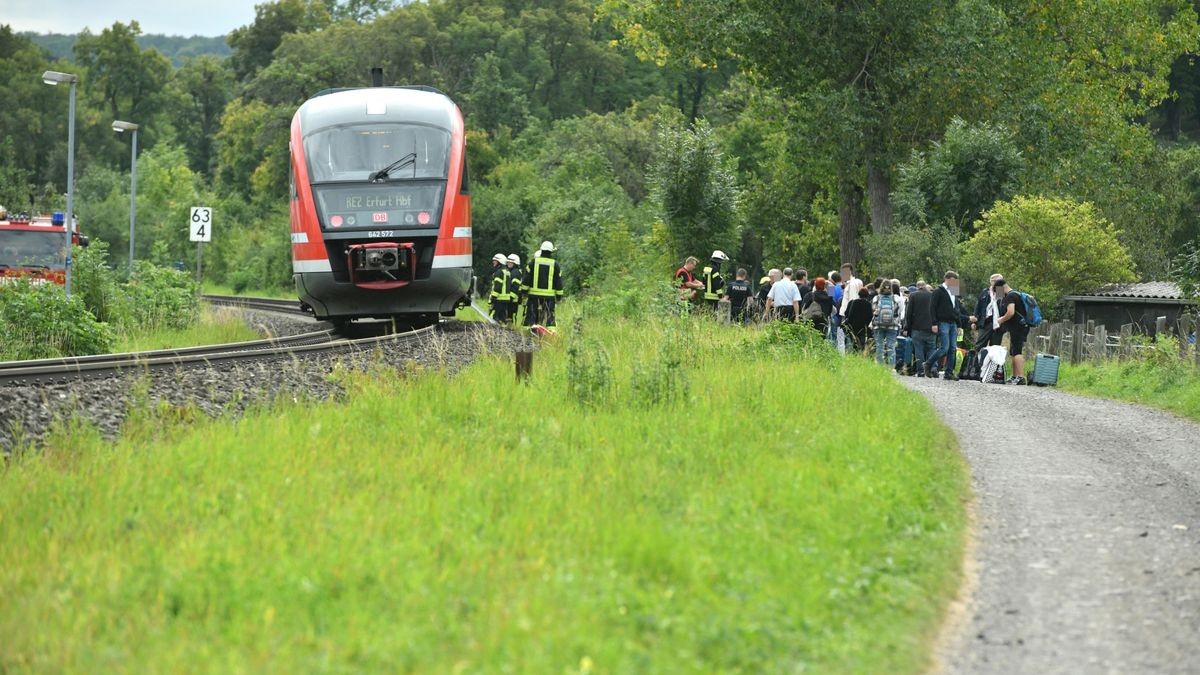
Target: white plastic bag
{"points": [[993, 360]]}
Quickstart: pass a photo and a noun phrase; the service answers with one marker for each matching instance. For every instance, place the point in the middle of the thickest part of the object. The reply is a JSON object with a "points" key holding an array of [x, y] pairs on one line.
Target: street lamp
{"points": [[121, 127], [53, 78]]}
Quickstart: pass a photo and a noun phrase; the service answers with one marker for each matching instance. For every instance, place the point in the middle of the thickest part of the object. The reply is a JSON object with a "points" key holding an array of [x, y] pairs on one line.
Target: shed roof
{"points": [[1147, 291]]}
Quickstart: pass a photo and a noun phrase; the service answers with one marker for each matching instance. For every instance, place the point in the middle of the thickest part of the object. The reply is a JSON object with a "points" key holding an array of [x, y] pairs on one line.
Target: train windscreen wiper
{"points": [[378, 176]]}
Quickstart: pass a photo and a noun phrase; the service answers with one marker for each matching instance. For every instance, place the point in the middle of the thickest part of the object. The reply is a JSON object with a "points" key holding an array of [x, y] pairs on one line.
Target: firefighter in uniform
{"points": [[502, 289], [714, 283], [543, 282], [514, 286]]}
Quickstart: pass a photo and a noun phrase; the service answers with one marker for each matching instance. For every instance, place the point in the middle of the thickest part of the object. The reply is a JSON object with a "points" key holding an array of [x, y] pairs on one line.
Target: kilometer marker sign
{"points": [[200, 224]]}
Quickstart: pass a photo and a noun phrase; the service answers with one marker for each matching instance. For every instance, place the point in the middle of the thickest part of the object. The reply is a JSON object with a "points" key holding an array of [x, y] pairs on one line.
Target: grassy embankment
{"points": [[212, 288], [1159, 378], [660, 497], [216, 326]]}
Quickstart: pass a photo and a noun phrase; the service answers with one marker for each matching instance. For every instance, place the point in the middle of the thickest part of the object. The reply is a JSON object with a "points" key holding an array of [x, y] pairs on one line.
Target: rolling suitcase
{"points": [[1045, 370]]}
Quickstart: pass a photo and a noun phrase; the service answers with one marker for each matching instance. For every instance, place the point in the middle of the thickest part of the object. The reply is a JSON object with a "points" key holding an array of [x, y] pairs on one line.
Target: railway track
{"points": [[262, 304], [105, 365]]}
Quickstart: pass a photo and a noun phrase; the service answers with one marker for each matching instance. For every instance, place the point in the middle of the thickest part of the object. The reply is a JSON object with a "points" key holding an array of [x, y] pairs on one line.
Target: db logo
{"points": [[379, 217]]}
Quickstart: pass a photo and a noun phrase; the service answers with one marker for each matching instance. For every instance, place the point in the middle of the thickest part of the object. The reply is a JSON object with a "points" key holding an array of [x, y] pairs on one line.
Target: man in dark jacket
{"points": [[739, 298], [919, 325], [858, 317], [948, 315]]}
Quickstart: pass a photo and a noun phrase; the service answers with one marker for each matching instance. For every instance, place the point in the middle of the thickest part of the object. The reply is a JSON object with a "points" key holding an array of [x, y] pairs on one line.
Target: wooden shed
{"points": [[1143, 303]]}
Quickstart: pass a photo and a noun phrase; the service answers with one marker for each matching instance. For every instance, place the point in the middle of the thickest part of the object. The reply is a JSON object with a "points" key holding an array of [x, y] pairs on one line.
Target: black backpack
{"points": [[971, 368]]}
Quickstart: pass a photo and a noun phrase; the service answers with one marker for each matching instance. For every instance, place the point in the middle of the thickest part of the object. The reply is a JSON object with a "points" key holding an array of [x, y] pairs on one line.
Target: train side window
{"points": [[465, 188], [292, 176]]}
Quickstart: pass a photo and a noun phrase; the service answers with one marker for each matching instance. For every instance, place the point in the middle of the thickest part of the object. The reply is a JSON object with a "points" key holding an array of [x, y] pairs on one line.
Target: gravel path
{"points": [[28, 412], [1088, 533]]}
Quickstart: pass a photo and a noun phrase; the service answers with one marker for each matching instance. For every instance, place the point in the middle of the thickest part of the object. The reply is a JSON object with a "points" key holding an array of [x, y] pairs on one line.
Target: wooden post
{"points": [[1160, 327], [1126, 341], [1184, 326], [1077, 338], [524, 365], [1101, 344]]}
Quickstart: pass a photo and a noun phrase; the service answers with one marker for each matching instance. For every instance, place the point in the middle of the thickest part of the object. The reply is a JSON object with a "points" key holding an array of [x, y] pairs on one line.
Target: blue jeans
{"points": [[885, 345], [947, 338], [923, 344]]}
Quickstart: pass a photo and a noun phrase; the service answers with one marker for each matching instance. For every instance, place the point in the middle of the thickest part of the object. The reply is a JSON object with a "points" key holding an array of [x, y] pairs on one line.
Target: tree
{"points": [[696, 190], [881, 75], [959, 177], [201, 88], [1047, 247], [127, 78], [254, 44], [913, 252]]}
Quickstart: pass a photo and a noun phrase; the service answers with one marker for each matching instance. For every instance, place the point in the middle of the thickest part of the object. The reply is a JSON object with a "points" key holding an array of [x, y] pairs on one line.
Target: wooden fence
{"points": [[1079, 343]]}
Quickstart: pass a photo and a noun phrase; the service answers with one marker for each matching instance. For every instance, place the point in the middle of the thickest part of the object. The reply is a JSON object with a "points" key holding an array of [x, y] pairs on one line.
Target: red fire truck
{"points": [[31, 247]]}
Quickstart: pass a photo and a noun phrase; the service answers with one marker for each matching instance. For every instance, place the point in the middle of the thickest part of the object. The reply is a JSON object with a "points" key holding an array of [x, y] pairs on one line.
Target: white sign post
{"points": [[200, 230]]}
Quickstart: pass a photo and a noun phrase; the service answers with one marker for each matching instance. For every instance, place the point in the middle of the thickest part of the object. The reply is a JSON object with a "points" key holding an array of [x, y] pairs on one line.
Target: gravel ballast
{"points": [[1087, 547], [28, 412]]}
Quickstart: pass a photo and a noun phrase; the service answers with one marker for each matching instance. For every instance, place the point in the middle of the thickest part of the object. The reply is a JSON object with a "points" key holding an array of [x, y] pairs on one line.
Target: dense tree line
{"points": [[637, 132]]}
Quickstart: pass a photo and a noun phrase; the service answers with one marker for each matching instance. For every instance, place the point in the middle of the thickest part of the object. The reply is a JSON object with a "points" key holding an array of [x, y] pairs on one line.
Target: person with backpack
{"points": [[818, 305], [1017, 312], [948, 315], [886, 312]]}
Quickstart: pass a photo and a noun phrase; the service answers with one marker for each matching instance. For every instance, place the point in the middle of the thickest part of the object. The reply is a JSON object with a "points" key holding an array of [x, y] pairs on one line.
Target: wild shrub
{"points": [[589, 369], [663, 377], [799, 336], [160, 297], [97, 284], [40, 321]]}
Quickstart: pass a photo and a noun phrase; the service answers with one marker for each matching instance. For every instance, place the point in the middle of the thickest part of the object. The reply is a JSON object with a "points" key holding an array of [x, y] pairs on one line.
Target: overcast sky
{"points": [[173, 17]]}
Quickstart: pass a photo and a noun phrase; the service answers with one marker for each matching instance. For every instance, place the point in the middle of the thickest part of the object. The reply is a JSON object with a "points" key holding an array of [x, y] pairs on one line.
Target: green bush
{"points": [[160, 297], [1047, 247], [97, 285], [39, 321]]}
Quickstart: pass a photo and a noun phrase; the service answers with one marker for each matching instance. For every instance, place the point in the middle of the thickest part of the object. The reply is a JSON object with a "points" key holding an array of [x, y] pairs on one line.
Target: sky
{"points": [[172, 17]]}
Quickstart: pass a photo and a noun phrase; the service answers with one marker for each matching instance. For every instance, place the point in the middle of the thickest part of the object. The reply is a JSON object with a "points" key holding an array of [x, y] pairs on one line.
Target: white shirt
{"points": [[853, 286], [953, 297], [784, 293]]}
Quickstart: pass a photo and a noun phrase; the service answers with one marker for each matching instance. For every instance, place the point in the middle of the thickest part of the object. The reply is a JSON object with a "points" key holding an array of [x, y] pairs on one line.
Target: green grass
{"points": [[690, 500], [1169, 385], [216, 326], [213, 288]]}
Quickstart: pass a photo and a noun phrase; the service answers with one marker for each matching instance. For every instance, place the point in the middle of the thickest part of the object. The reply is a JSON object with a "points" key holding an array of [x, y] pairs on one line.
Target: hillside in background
{"points": [[174, 47]]}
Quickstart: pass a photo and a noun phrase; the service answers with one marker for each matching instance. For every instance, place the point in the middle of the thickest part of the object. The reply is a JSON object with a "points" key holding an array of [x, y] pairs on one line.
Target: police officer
{"points": [[714, 283], [501, 295], [543, 282]]}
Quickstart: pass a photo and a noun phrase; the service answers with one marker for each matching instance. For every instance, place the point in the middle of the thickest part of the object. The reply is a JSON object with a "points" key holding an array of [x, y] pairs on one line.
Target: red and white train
{"points": [[380, 204]]}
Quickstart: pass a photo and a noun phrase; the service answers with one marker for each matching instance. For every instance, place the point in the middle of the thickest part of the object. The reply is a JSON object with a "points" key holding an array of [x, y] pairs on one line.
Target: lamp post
{"points": [[120, 127], [53, 77]]}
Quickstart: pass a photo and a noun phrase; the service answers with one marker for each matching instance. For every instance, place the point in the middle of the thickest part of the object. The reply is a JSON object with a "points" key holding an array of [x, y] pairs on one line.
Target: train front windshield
{"points": [[354, 152], [23, 248], [342, 161]]}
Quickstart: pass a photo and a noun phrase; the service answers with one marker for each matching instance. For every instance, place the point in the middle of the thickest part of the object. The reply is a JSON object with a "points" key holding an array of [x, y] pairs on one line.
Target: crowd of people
{"points": [[918, 329]]}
